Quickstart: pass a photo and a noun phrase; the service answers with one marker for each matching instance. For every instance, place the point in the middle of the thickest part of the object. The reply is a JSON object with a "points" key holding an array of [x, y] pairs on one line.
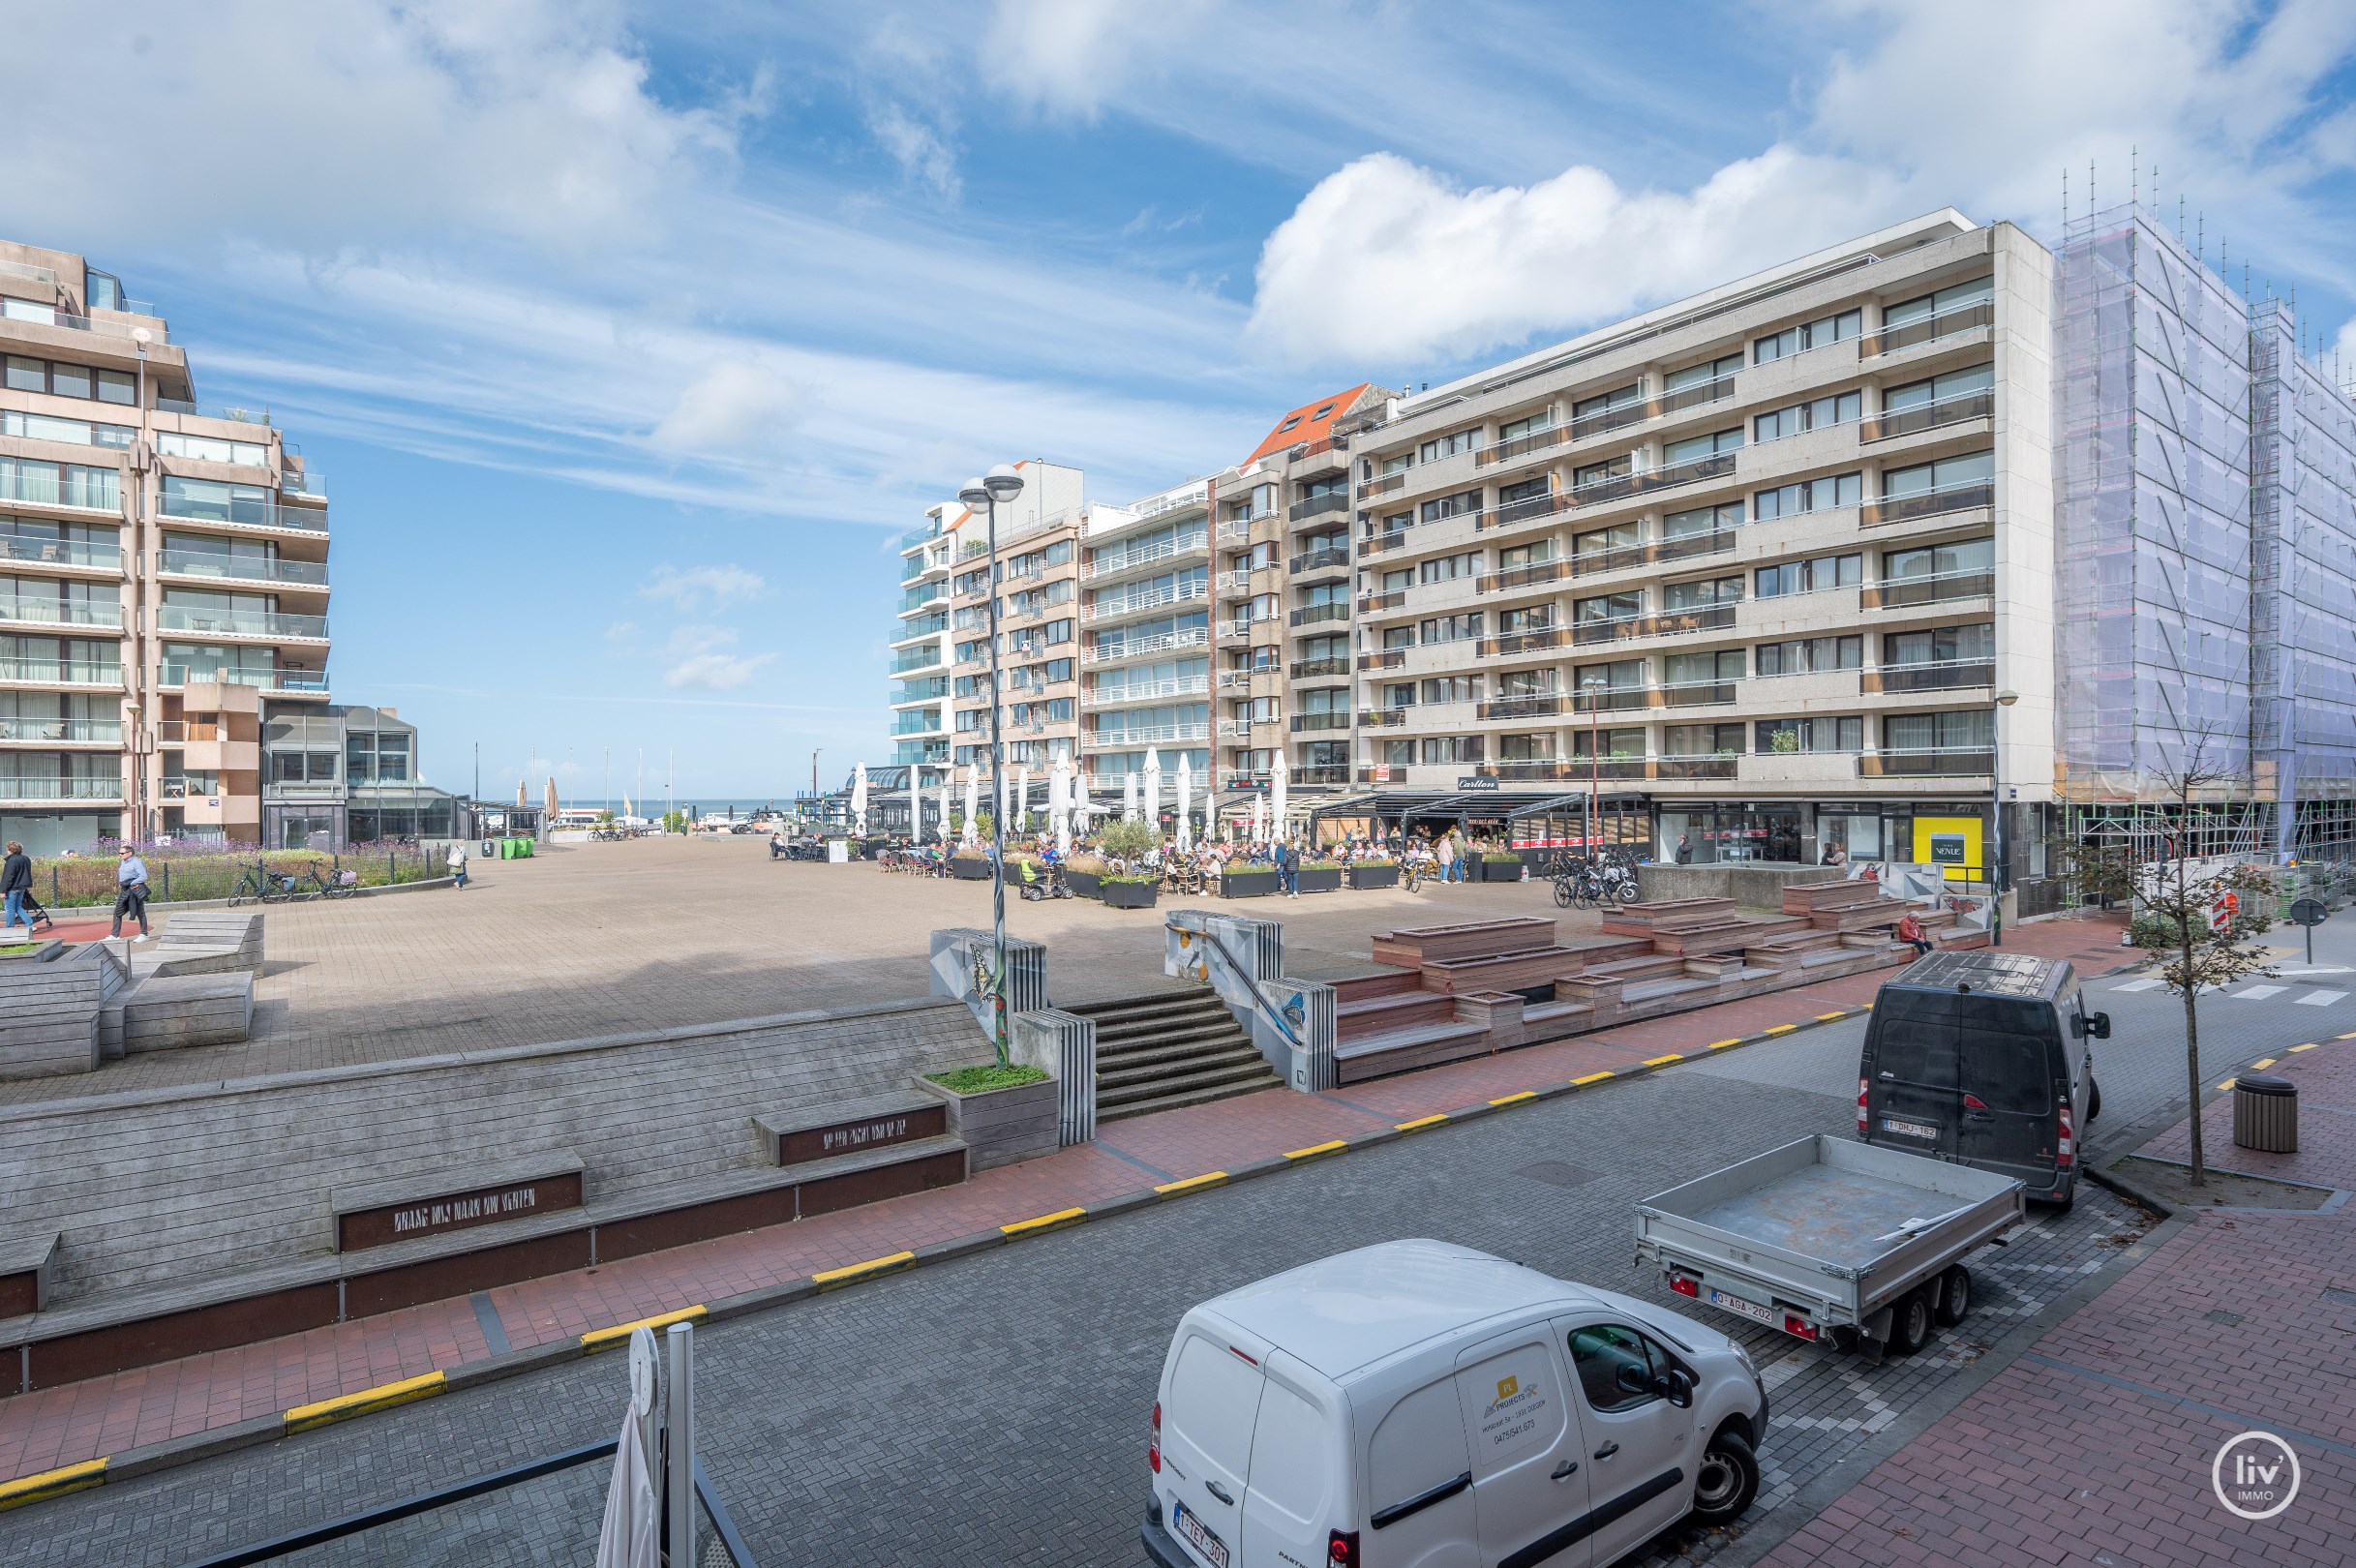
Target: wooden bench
{"points": [[430, 1203], [808, 1132], [209, 942], [169, 1013], [49, 1002], [24, 1274]]}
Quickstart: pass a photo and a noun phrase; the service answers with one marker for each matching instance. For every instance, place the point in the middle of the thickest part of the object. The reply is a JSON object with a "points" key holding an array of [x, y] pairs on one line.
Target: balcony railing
{"points": [[243, 512], [61, 789], [1927, 502], [1536, 706], [931, 625], [918, 597], [61, 552], [1333, 773], [1151, 735], [1693, 396], [40, 484], [1514, 577], [1702, 618], [919, 724], [1383, 484], [1311, 669], [214, 410], [1529, 509], [1685, 547], [1901, 592], [1107, 562], [1145, 691], [1317, 506], [61, 673], [60, 612], [105, 731], [1536, 440], [307, 483], [922, 691], [1612, 699], [1241, 679], [1716, 466], [1620, 416], [1137, 647], [148, 324], [1379, 543], [1682, 767], [1303, 723], [180, 618], [928, 657], [1238, 729], [243, 568], [1389, 599], [918, 535], [1137, 602], [1313, 615], [1927, 763], [1947, 675], [1696, 693], [1524, 642], [1319, 561], [1928, 416], [1379, 718], [175, 673], [1927, 329], [1388, 658], [1235, 582]]}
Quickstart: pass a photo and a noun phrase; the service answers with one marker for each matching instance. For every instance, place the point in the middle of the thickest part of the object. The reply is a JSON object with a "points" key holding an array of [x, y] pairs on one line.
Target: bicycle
{"points": [[1412, 876]]}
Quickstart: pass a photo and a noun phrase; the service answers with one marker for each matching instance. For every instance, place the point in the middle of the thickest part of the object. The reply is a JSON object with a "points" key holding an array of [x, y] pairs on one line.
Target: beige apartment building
{"points": [[167, 575], [1751, 568]]}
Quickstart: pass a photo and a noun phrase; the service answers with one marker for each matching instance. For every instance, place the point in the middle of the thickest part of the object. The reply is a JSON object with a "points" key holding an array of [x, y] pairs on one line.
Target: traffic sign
{"points": [[2307, 912]]}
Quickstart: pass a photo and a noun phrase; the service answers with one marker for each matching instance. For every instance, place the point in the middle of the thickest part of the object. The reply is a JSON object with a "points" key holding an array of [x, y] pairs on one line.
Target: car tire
{"points": [[1954, 1296], [1910, 1324], [1727, 1479], [2094, 1100]]}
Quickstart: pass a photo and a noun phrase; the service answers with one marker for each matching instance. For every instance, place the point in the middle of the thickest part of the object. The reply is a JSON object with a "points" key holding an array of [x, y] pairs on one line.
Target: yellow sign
{"points": [[1953, 845], [1507, 1388]]}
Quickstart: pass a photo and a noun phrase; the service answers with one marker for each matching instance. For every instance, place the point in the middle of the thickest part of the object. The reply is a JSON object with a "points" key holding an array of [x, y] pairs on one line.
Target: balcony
{"points": [[1109, 562], [1369, 603], [1927, 763], [918, 535], [1389, 659], [1325, 559], [1382, 485], [1521, 446], [1617, 487], [243, 512], [180, 618], [1314, 614], [42, 484], [173, 674], [1376, 544], [1668, 622], [1151, 735], [1137, 647], [1241, 679], [1301, 511], [1697, 693], [1724, 765], [919, 724], [108, 790], [61, 552], [1381, 719], [1927, 329], [1620, 416], [63, 731], [1145, 691], [1538, 704], [1903, 592], [242, 568], [1238, 729], [307, 483], [1951, 675], [928, 657], [1334, 774], [60, 672], [1529, 509], [1526, 641], [148, 324], [1514, 577], [1927, 503], [1240, 630], [931, 625], [1613, 699], [1695, 396], [61, 613], [922, 691], [1136, 602], [1305, 723], [1312, 669], [214, 410], [923, 595], [1924, 416]]}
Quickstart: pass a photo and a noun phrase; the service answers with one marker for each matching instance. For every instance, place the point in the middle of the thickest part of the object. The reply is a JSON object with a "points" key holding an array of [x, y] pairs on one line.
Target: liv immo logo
{"points": [[2256, 1475]]}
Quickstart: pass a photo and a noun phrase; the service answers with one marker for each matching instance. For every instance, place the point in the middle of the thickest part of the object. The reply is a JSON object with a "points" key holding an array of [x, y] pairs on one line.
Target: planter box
{"points": [[1327, 879], [1129, 894], [1364, 877], [1250, 885], [1001, 1126], [1501, 870], [1084, 883], [970, 870]]}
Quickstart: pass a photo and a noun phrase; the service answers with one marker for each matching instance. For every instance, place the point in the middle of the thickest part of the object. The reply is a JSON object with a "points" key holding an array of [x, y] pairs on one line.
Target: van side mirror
{"points": [[1675, 1387], [2097, 1025]]}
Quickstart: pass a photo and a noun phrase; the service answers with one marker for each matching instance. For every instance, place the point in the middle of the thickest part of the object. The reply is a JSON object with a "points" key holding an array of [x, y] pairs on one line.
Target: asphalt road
{"points": [[993, 1411]]}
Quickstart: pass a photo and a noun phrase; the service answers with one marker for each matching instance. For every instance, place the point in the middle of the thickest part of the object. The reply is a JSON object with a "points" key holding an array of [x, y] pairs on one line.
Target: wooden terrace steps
{"points": [[1403, 1050], [1175, 1049], [1372, 1015]]}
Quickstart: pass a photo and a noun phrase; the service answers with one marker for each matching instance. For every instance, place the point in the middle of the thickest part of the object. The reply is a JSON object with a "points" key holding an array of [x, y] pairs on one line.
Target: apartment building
{"points": [[167, 574], [1147, 641], [1750, 569]]}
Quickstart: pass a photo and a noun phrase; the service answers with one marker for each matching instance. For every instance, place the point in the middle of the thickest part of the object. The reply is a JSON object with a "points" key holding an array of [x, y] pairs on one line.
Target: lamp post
{"points": [[1001, 484], [1594, 687], [1996, 814]]}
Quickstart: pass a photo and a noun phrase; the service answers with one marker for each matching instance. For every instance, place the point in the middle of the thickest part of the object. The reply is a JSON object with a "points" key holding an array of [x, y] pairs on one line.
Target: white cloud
{"points": [[732, 408], [922, 150], [622, 633], [714, 672], [1070, 56], [721, 586]]}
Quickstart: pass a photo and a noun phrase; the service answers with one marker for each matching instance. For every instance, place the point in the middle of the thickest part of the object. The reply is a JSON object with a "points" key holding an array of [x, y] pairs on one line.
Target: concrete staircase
{"points": [[1171, 1049]]}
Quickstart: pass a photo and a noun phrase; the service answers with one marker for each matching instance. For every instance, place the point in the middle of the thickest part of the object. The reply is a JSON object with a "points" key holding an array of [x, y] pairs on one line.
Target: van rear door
{"points": [[1298, 1449], [2012, 1054], [1419, 1482], [1913, 1099], [1209, 1412]]}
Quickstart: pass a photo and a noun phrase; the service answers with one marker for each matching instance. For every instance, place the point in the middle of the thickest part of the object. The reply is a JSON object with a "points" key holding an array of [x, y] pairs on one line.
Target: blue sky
{"points": [[630, 337]]}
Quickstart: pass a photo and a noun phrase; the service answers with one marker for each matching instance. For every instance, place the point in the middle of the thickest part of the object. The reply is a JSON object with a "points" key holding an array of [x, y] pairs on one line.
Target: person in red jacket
{"points": [[1910, 930]]}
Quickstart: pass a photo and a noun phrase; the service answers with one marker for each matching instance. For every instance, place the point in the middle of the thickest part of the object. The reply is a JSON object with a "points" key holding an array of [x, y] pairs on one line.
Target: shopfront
{"points": [[1789, 833]]}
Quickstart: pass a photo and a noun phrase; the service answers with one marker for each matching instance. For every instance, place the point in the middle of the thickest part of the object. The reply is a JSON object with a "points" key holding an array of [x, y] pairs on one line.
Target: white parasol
{"points": [[859, 797], [949, 783], [1059, 802], [1129, 796], [973, 803], [1151, 805], [1275, 808]]}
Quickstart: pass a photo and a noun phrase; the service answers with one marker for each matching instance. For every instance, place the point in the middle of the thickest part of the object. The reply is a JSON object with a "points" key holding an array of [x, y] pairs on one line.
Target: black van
{"points": [[1981, 1058]]}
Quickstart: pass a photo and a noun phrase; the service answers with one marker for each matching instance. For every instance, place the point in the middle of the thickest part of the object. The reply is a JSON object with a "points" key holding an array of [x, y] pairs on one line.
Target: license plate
{"points": [[1912, 1129], [1197, 1535], [1745, 1309]]}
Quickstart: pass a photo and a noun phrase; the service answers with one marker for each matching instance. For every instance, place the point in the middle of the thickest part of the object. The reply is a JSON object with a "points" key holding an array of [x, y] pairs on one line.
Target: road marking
{"points": [[1828, 1017], [1332, 1145], [1783, 1029], [2345, 1037], [1507, 1099], [2261, 1064], [2322, 999], [2296, 1049], [599, 1338], [1209, 1178], [1045, 1221], [2147, 983], [2229, 1083], [1420, 1123], [52, 1483], [1593, 1078], [2258, 993], [837, 1279], [383, 1397], [1721, 1044], [1660, 1061]]}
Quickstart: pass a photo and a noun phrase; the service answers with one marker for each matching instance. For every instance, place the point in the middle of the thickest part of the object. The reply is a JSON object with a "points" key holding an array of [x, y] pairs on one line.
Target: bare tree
{"points": [[2205, 918], [2096, 868]]}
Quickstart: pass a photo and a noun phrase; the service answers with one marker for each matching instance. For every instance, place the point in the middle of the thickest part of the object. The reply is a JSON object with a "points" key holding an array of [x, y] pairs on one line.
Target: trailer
{"points": [[1827, 1239]]}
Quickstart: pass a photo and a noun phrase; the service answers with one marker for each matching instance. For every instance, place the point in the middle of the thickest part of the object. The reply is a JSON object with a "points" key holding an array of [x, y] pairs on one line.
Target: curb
{"points": [[172, 1452]]}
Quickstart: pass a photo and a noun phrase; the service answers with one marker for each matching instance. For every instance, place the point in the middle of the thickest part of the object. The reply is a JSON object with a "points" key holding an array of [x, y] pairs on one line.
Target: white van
{"points": [[1419, 1404]]}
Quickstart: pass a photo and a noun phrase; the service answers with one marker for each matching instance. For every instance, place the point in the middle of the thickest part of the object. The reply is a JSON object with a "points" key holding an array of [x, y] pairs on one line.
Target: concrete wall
{"points": [[1760, 886], [166, 1185]]}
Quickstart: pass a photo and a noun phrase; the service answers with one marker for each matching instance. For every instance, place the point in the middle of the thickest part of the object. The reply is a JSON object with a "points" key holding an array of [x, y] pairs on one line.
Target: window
{"points": [[1809, 495], [1528, 494], [1625, 605], [1821, 413], [1811, 735], [1811, 576], [1395, 638], [1462, 504], [1399, 581], [1703, 594], [26, 374], [1259, 710], [1974, 729], [63, 484], [1516, 557], [1617, 744], [1290, 420], [1816, 334], [1323, 593], [75, 432], [1702, 669], [1401, 695], [1525, 748], [1321, 412], [1057, 670], [1398, 753], [1706, 373], [1701, 520], [301, 767], [1288, 1472], [1463, 440], [1452, 628], [376, 757], [1598, 473], [1921, 308], [1962, 383], [1513, 429], [1056, 631], [1595, 541], [1325, 647], [1450, 690], [1695, 448], [1448, 568], [208, 449], [1701, 740], [1620, 675], [1326, 700], [1453, 748], [1619, 397], [1809, 654], [1947, 644], [1267, 606], [1534, 619], [1601, 1354], [1941, 560], [1947, 473], [1527, 683]]}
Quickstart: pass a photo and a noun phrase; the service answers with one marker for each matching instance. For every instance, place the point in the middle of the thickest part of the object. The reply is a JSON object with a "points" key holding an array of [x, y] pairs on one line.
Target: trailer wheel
{"points": [[1954, 1295], [1726, 1480], [1909, 1326]]}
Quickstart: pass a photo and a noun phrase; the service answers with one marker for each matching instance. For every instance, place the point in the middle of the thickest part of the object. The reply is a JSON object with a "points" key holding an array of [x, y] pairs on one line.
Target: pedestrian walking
{"points": [[1447, 856], [1684, 849], [458, 865], [1288, 866], [1909, 931], [131, 892], [16, 880]]}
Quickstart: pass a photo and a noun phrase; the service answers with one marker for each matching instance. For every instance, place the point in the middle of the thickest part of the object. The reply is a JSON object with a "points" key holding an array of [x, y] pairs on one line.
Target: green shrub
{"points": [[1503, 859], [1128, 840], [1133, 877], [2152, 931], [977, 1080]]}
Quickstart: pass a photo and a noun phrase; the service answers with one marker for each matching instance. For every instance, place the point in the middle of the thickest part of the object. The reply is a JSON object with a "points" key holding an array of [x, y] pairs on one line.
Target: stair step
{"points": [[1127, 1009], [1179, 1102], [1242, 1055], [1252, 1070], [1223, 1024]]}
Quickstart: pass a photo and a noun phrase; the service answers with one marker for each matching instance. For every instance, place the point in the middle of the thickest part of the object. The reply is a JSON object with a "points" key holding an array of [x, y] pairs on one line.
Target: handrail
{"points": [[1258, 1000], [722, 1523]]}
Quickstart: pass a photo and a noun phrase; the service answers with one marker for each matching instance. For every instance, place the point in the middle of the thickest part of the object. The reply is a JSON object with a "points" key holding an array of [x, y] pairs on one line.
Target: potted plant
{"points": [[1129, 890], [1249, 882], [1084, 875], [1367, 874], [1002, 1113], [1500, 867], [1320, 876], [970, 865]]}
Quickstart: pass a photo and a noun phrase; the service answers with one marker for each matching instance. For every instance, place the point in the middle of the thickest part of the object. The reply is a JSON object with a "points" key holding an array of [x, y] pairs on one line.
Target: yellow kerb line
{"points": [[1508, 1099], [384, 1396], [2229, 1083], [2345, 1037], [599, 1338], [1658, 1060], [1209, 1178], [1329, 1146], [2261, 1064], [1420, 1121], [1828, 1017], [1593, 1078], [1045, 1221], [852, 1274], [52, 1483], [2296, 1049], [1783, 1029], [1721, 1044]]}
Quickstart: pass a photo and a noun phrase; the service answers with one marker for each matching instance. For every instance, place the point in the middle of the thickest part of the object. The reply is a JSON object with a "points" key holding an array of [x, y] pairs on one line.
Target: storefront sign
{"points": [[1476, 783]]}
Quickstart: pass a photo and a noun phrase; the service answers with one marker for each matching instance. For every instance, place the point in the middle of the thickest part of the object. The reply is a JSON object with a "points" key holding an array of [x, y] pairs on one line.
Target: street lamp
{"points": [[1594, 686], [1996, 814], [1002, 484]]}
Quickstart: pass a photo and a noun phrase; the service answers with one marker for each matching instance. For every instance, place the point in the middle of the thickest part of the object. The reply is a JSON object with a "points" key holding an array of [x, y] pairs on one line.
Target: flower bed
{"points": [[1500, 868], [180, 875]]}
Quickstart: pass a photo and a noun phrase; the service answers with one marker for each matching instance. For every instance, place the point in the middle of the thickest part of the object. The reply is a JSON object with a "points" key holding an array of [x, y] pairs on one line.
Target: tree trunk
{"points": [[2192, 995]]}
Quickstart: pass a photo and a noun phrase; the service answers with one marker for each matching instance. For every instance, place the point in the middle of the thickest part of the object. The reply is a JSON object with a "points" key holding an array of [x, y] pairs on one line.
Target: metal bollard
{"points": [[2265, 1113], [678, 1488]]}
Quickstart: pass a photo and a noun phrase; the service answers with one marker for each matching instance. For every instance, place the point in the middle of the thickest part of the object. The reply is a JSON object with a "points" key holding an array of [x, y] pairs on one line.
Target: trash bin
{"points": [[2265, 1113]]}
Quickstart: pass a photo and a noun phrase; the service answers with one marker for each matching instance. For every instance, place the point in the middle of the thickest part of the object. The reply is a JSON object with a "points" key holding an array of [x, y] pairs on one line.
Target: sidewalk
{"points": [[2096, 1446], [53, 1428]]}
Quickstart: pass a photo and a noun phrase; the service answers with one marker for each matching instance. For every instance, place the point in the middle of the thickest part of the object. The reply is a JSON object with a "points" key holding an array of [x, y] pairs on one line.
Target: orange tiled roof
{"points": [[1309, 422]]}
